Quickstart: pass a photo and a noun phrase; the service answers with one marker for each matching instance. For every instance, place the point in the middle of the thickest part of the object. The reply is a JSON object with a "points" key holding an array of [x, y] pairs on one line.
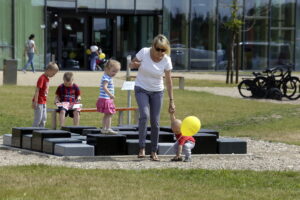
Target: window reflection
{"points": [[176, 29], [202, 49]]}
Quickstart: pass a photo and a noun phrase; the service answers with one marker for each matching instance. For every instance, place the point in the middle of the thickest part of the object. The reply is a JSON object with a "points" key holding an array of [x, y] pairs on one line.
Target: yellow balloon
{"points": [[190, 126], [102, 56], [88, 52]]}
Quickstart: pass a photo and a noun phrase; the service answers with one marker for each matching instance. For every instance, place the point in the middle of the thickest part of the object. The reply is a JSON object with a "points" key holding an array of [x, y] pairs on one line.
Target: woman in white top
{"points": [[153, 64], [30, 49]]}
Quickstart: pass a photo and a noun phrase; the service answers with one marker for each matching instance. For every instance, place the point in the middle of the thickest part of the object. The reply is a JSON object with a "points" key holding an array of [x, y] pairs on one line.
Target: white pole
{"points": [[128, 92]]}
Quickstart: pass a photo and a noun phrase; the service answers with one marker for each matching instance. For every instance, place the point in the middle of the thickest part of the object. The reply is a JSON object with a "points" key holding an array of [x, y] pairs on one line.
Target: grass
{"points": [[44, 182], [230, 116]]}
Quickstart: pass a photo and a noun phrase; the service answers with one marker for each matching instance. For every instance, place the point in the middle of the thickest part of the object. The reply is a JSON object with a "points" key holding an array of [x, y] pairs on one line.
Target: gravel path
{"points": [[261, 155]]}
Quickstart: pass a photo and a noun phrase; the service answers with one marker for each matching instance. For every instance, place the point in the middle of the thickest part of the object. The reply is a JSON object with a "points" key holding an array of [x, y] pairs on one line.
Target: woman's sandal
{"points": [[141, 156], [154, 158]]}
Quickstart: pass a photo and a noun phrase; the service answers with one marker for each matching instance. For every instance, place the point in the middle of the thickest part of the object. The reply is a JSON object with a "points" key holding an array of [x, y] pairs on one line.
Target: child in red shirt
{"points": [[39, 101], [183, 144], [67, 95]]}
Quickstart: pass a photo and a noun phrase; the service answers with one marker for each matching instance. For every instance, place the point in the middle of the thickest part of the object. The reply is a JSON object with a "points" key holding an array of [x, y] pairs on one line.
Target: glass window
{"points": [[282, 32], [255, 44], [175, 27], [297, 50], [61, 3], [149, 5], [203, 36], [122, 5], [96, 4]]}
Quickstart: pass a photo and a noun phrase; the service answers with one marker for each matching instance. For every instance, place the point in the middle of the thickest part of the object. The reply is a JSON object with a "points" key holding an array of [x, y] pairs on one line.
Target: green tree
{"points": [[234, 25]]}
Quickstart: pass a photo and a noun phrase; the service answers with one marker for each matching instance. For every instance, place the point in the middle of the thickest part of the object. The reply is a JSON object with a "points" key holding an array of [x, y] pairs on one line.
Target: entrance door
{"points": [[73, 42]]}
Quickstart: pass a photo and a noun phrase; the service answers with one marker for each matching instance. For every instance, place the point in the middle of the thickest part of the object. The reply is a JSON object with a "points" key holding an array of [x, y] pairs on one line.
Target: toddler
{"points": [[68, 95], [39, 101], [183, 144], [105, 103]]}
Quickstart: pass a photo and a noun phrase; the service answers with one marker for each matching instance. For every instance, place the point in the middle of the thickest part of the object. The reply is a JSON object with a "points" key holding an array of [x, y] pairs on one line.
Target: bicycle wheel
{"points": [[245, 88], [291, 88]]}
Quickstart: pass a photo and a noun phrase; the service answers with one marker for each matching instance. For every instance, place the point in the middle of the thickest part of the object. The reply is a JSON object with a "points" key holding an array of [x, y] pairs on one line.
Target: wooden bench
{"points": [[180, 78], [119, 110]]}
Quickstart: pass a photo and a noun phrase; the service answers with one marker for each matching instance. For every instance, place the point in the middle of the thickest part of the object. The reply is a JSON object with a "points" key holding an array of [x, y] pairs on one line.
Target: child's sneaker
{"points": [[111, 132], [104, 131], [188, 159]]}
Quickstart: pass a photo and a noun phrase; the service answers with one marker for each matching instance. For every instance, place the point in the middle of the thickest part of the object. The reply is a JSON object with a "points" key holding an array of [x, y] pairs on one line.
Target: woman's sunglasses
{"points": [[159, 49]]}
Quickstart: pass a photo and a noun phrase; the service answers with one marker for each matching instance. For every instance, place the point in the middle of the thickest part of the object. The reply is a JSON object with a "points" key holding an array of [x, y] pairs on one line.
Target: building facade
{"points": [[65, 29]]}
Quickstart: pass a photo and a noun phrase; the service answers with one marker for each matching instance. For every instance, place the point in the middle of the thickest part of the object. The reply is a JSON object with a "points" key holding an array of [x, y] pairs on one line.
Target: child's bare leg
{"points": [[108, 120], [62, 114], [76, 118], [104, 122]]}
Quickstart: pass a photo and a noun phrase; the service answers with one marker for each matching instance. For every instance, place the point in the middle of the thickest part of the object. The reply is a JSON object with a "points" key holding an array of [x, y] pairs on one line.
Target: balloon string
{"points": [[172, 145]]}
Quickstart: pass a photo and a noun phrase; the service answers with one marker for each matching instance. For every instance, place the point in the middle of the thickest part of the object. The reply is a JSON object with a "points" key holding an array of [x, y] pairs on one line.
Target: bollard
{"points": [[10, 72]]}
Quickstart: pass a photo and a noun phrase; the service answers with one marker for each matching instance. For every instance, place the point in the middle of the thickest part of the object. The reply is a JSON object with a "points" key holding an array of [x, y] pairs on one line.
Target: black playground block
{"points": [[39, 135], [205, 144], [49, 143], [209, 131], [164, 137], [126, 128], [27, 141], [108, 144], [91, 131], [77, 129], [130, 134], [18, 132], [231, 145], [133, 147]]}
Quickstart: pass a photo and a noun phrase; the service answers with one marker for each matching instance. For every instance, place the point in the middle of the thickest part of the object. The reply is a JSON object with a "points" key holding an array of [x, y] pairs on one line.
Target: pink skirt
{"points": [[106, 106]]}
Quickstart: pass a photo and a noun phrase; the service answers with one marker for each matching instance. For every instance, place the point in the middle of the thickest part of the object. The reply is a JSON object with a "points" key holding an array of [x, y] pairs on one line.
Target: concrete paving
{"points": [[92, 79]]}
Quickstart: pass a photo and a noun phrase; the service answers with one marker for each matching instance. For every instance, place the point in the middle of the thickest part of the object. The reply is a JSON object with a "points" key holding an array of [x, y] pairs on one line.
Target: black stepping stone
{"points": [[231, 145], [49, 143], [91, 131], [205, 144], [18, 132], [210, 131], [77, 129], [27, 141], [130, 134], [7, 139], [125, 128], [39, 135], [108, 144], [166, 137], [133, 147], [166, 129], [73, 149]]}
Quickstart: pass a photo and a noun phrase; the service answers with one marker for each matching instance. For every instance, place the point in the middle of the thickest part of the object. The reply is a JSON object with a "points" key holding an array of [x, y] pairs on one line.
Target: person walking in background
{"points": [[105, 103], [67, 97], [39, 100], [30, 49], [95, 51], [152, 64]]}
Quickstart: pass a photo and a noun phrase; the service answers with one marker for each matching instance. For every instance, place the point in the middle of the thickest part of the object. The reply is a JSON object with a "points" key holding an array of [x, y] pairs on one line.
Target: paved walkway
{"points": [[92, 79]]}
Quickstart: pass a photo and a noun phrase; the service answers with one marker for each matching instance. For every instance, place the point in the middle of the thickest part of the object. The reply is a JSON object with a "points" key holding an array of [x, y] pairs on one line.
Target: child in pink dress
{"points": [[105, 103]]}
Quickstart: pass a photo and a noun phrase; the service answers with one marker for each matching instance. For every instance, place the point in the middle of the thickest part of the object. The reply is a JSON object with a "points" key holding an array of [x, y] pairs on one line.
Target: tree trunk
{"points": [[237, 67]]}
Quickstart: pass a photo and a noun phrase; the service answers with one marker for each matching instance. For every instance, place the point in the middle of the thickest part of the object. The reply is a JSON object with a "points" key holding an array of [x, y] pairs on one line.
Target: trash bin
{"points": [[10, 71]]}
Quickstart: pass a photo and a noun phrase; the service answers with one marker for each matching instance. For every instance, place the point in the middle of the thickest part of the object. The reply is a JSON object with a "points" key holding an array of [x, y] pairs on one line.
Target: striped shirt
{"points": [[110, 86]]}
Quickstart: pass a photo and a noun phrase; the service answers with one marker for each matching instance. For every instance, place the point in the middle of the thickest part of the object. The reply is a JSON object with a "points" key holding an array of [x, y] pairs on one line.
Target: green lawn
{"points": [[44, 182], [230, 116]]}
